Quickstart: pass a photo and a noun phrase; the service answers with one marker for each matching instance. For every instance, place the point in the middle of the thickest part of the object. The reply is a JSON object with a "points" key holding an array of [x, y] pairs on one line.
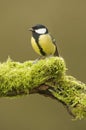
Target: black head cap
{"points": [[39, 26]]}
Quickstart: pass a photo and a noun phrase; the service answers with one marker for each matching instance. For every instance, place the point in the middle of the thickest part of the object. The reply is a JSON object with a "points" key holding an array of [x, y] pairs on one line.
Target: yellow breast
{"points": [[45, 43], [34, 46]]}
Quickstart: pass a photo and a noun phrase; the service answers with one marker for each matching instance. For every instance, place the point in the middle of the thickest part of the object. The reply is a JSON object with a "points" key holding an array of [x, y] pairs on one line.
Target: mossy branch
{"points": [[47, 77]]}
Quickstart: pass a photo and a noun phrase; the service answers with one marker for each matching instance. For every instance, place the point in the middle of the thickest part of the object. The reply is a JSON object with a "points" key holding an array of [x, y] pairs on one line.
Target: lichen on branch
{"points": [[46, 76]]}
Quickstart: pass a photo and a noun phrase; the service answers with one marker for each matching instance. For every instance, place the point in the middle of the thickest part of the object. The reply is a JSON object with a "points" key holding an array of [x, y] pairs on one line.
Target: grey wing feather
{"points": [[56, 52]]}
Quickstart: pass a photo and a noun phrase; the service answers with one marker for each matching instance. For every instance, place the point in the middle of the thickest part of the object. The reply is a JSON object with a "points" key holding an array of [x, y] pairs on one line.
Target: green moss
{"points": [[46, 69], [18, 78], [73, 94]]}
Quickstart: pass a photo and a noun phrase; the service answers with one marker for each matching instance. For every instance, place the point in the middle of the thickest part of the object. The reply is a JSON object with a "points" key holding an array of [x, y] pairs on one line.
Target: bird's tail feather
{"points": [[56, 52]]}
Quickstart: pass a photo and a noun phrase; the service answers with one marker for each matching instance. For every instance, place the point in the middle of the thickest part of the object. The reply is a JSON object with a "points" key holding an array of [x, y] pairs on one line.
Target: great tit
{"points": [[42, 42]]}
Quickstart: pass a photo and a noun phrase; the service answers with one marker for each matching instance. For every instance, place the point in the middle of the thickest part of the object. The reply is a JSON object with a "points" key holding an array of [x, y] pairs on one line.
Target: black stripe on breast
{"points": [[36, 37]]}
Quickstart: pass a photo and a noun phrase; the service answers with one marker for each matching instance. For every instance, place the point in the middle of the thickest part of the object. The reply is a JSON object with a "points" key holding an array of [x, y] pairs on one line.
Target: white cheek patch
{"points": [[41, 31]]}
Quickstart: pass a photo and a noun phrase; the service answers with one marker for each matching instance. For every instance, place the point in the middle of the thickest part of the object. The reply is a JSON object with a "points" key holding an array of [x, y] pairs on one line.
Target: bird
{"points": [[42, 41]]}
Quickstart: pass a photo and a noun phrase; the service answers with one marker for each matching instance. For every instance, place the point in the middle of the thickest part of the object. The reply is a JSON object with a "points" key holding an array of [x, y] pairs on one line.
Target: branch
{"points": [[47, 77]]}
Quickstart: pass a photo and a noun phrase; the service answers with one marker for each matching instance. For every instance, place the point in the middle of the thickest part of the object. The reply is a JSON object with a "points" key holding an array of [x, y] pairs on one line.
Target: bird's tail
{"points": [[56, 52]]}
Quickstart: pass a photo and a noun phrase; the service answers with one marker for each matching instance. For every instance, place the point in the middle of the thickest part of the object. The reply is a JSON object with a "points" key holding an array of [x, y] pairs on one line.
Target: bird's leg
{"points": [[37, 59], [49, 56]]}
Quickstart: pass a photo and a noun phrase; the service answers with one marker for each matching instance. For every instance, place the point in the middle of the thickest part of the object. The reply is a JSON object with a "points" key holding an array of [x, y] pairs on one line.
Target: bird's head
{"points": [[39, 29]]}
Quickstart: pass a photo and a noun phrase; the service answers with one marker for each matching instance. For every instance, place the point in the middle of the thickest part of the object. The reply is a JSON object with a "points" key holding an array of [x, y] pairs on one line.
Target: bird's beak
{"points": [[30, 29]]}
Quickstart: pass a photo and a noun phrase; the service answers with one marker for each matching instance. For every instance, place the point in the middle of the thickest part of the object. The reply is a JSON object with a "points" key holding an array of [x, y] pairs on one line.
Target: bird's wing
{"points": [[54, 41]]}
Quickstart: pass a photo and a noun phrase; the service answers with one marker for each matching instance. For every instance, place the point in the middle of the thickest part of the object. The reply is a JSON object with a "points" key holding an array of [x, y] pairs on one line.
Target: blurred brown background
{"points": [[66, 21]]}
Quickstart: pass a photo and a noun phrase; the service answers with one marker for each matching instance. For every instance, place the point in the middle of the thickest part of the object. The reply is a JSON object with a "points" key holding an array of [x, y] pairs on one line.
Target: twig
{"points": [[47, 77]]}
